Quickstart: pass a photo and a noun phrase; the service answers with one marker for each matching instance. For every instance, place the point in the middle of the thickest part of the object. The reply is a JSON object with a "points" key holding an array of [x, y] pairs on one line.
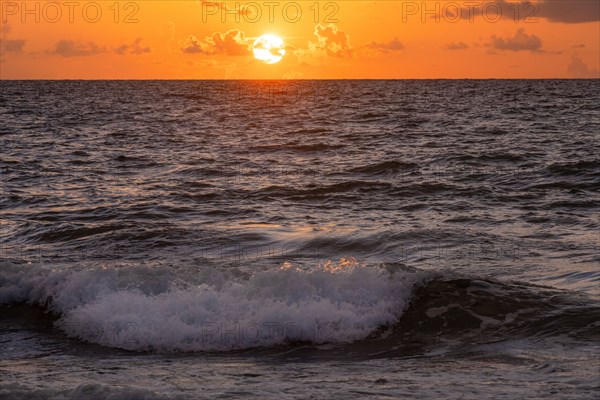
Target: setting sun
{"points": [[268, 49]]}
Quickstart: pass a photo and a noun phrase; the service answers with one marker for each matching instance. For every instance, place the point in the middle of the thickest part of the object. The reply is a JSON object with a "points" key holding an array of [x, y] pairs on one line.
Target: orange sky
{"points": [[196, 39]]}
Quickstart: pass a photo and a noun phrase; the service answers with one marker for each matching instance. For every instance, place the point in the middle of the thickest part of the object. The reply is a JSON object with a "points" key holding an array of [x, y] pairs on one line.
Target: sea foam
{"points": [[156, 309]]}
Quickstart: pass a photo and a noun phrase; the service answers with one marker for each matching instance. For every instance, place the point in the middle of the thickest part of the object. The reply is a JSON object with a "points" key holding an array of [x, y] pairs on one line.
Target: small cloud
{"points": [[232, 43], [72, 48], [578, 69], [331, 41], [134, 48], [14, 46], [121, 50], [193, 46], [578, 46], [392, 45], [520, 42], [7, 45], [456, 46]]}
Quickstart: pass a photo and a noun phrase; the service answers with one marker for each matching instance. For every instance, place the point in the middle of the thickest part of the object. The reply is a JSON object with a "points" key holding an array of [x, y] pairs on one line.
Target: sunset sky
{"points": [[196, 39]]}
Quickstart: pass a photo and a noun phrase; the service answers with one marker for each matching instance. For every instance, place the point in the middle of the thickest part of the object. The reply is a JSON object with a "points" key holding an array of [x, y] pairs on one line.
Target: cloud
{"points": [[7, 45], [193, 46], [134, 48], [231, 43], [520, 42], [578, 69], [564, 11], [456, 46], [14, 46], [72, 48], [570, 11], [392, 45], [331, 41]]}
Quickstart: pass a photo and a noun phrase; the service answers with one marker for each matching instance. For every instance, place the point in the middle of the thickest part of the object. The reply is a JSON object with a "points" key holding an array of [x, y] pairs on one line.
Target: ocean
{"points": [[300, 239]]}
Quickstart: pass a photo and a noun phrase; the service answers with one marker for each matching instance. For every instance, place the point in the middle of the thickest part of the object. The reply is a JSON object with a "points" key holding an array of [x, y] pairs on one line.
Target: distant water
{"points": [[289, 239]]}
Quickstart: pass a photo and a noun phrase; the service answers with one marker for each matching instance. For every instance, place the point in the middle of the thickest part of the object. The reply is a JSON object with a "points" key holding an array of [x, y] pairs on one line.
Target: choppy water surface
{"points": [[300, 239]]}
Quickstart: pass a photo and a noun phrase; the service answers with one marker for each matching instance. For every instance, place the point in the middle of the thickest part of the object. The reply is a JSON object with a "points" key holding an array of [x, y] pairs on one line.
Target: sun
{"points": [[268, 49]]}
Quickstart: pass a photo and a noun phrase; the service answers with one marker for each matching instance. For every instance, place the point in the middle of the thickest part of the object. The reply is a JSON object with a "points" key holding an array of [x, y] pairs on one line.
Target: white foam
{"points": [[152, 310]]}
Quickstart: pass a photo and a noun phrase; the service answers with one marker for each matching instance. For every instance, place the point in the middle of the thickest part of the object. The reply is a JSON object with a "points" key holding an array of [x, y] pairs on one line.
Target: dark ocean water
{"points": [[297, 239]]}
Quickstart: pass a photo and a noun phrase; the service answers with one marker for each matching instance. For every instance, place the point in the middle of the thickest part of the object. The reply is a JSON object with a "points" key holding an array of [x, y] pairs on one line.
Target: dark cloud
{"points": [[565, 11], [72, 48], [456, 46], [392, 45], [193, 46], [578, 69], [14, 46], [7, 45], [232, 43], [570, 11], [520, 42], [133, 48]]}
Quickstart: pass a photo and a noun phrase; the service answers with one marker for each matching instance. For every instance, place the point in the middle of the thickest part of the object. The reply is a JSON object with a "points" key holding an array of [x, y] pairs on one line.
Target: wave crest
{"points": [[144, 310]]}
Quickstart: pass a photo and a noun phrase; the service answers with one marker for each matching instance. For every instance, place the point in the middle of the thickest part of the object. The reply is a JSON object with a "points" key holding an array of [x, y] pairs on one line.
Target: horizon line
{"points": [[297, 79]]}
